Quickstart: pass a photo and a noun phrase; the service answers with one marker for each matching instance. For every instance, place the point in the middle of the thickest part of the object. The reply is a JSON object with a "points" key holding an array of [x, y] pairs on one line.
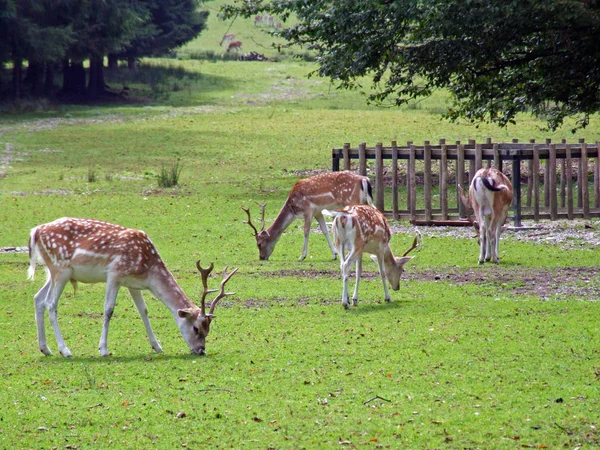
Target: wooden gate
{"points": [[558, 179]]}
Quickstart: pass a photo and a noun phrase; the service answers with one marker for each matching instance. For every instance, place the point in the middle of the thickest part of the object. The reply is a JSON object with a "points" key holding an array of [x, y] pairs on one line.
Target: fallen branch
{"points": [[375, 398], [97, 405], [215, 389]]}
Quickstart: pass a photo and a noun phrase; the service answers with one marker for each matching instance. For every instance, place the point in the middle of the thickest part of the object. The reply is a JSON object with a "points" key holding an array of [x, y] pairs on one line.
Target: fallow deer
{"points": [[227, 38], [306, 200], [91, 251], [490, 196], [234, 45], [360, 229]]}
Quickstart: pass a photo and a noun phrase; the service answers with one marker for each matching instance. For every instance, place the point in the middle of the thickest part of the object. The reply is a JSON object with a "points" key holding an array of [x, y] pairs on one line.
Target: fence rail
{"points": [[557, 184]]}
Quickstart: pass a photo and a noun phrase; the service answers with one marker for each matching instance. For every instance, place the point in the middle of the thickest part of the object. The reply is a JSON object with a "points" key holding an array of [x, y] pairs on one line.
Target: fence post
{"points": [[460, 177], [335, 160], [534, 175], [412, 183], [569, 183], [516, 170], [584, 181], [444, 182], [347, 156], [552, 182], [427, 180], [379, 176], [497, 159], [478, 157], [394, 180], [362, 158]]}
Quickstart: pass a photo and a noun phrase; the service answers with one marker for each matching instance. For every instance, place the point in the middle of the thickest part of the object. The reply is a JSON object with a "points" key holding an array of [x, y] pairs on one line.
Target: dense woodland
{"points": [[40, 39]]}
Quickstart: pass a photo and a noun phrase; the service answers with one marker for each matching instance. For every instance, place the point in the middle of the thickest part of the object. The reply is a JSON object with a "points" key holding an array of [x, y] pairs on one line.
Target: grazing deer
{"points": [[306, 200], [234, 45], [363, 228], [490, 196], [91, 251], [228, 37]]}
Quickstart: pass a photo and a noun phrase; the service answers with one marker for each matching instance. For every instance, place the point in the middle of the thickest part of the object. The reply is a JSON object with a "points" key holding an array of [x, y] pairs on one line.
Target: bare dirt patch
{"points": [[551, 283]]}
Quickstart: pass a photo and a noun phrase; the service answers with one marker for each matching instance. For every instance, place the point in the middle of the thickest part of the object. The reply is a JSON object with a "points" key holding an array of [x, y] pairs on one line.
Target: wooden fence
{"points": [[558, 178]]}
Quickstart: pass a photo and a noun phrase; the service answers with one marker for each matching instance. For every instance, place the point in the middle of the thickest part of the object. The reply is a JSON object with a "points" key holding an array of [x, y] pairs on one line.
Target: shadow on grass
{"points": [[59, 359]]}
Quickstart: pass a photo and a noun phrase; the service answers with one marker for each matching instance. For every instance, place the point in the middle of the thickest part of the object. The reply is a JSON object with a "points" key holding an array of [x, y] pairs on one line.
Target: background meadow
{"points": [[447, 364]]}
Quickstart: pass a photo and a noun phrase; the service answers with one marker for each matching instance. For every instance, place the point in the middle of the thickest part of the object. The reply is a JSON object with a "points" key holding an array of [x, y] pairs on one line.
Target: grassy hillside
{"points": [[253, 35]]}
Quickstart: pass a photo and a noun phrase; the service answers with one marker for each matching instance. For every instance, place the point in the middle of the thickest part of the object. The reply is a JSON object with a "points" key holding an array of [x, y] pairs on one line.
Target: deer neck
{"points": [[388, 257], [283, 220], [164, 287]]}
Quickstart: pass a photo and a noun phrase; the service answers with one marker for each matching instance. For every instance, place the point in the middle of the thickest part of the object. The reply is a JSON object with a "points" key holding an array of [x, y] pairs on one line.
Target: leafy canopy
{"points": [[496, 57]]}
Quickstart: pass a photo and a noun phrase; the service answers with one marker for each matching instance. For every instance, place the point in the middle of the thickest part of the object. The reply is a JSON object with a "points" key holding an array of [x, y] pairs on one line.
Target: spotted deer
{"points": [[306, 200], [91, 251], [490, 196], [364, 229]]}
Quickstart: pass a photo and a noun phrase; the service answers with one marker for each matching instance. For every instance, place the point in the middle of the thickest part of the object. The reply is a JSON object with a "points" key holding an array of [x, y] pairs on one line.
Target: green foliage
{"points": [[497, 58], [169, 175]]}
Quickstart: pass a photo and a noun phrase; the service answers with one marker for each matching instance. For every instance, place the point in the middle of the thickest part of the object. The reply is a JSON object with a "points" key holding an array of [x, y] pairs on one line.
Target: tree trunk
{"points": [[16, 77], [113, 62], [73, 78], [49, 79], [132, 62], [96, 82], [34, 77]]}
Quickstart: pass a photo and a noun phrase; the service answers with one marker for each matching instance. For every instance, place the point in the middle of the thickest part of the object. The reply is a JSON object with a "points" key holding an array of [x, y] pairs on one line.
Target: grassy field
{"points": [[470, 363]]}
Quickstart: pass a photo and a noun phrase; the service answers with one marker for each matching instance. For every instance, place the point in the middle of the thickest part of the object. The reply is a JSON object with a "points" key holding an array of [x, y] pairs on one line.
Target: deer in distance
{"points": [[364, 229], [307, 199], [234, 45], [490, 196], [91, 251]]}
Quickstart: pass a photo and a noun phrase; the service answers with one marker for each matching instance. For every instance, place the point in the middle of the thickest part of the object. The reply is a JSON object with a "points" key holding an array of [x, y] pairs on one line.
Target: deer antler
{"points": [[205, 273], [222, 294], [249, 222], [416, 242], [262, 209]]}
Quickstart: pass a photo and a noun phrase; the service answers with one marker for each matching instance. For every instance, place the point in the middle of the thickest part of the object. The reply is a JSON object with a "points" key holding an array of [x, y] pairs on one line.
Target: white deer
{"points": [[306, 200], [227, 38], [91, 251], [360, 229], [490, 195]]}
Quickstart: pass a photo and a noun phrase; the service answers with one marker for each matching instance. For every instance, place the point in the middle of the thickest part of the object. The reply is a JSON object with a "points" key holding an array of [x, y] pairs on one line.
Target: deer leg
{"points": [[140, 304], [496, 244], [325, 231], [358, 274], [110, 300], [383, 278], [489, 239], [307, 220], [58, 285], [39, 301], [482, 236], [345, 266]]}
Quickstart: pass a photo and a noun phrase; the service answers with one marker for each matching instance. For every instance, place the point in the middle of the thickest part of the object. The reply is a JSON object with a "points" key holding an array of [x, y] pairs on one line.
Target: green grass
{"points": [[444, 365]]}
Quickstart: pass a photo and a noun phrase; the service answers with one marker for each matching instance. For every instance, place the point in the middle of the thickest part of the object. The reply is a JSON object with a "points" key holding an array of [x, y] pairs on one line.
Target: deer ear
{"points": [[187, 313], [403, 260]]}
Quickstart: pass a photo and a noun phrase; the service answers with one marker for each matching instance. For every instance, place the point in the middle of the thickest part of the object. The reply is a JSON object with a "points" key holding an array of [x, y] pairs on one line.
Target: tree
{"points": [[496, 57], [172, 23]]}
